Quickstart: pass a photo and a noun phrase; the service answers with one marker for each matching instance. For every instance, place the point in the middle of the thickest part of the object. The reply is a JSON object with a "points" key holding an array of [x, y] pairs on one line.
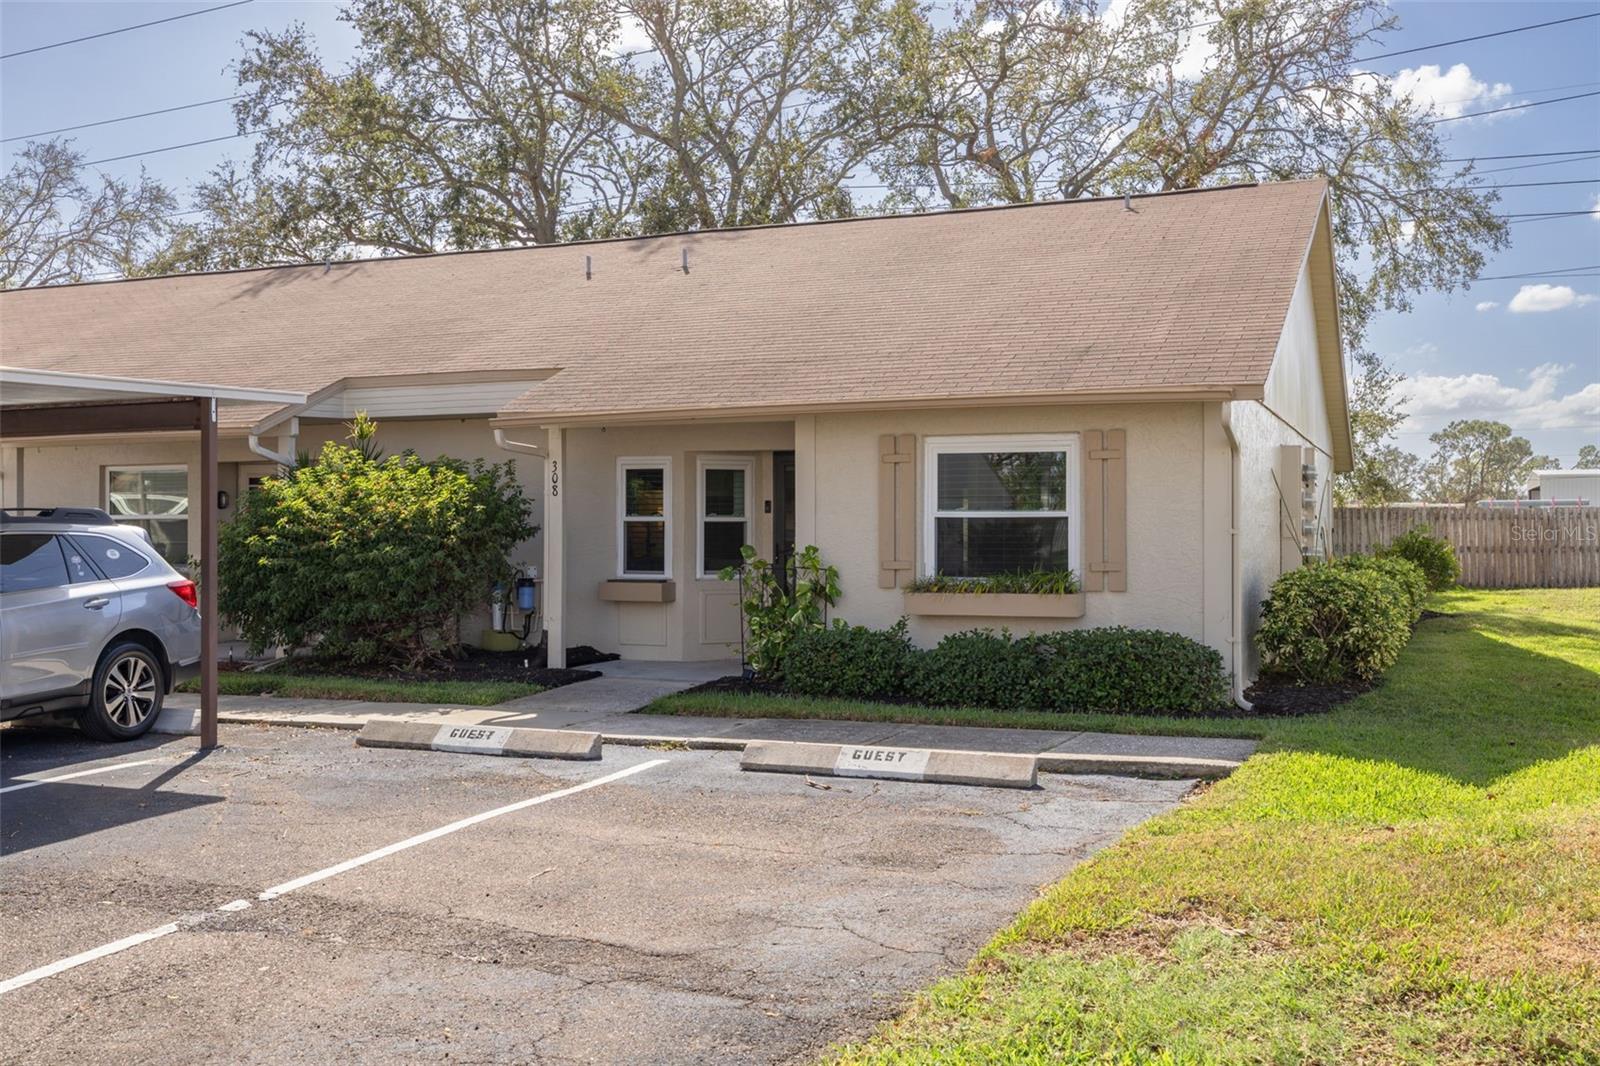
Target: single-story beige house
{"points": [[1148, 391]]}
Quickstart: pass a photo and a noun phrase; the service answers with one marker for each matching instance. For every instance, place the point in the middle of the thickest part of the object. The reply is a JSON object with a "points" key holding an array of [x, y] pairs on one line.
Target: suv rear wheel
{"points": [[127, 694]]}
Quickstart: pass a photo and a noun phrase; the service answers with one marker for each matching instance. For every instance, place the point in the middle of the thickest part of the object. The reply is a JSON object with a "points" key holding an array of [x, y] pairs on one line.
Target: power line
{"points": [[171, 148], [1546, 163], [1519, 155], [1479, 37], [123, 29], [1564, 272], [1513, 107], [1515, 221], [1531, 184], [124, 118]]}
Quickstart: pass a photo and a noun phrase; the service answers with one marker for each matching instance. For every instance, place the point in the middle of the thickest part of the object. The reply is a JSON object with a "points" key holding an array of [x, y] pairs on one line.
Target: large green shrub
{"points": [[1409, 583], [1325, 624], [773, 611], [368, 560], [1125, 671], [977, 668], [851, 662], [1434, 555]]}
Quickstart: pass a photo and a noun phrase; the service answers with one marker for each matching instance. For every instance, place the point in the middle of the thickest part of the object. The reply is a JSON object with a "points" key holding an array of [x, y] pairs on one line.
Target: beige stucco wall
{"points": [[1165, 498], [1293, 413], [702, 622]]}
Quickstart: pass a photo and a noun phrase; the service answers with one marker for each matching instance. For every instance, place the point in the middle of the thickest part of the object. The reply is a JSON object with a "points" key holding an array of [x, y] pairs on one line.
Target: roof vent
{"points": [[686, 259], [1127, 201], [588, 268]]}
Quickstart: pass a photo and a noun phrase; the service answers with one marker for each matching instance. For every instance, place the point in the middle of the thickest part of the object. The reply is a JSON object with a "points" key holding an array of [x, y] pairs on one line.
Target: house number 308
{"points": [[555, 477]]}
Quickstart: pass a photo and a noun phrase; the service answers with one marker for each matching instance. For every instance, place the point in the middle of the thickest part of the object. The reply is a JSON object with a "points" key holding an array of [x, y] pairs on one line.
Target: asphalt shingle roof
{"points": [[1183, 291]]}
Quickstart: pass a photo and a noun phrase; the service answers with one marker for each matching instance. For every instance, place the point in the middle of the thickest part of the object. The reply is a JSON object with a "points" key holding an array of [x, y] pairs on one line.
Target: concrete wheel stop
{"points": [[931, 765], [481, 739]]}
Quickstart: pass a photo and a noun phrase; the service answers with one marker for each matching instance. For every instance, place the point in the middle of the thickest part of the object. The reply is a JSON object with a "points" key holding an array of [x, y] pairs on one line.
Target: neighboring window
{"points": [[724, 512], [645, 496], [997, 505], [155, 498], [113, 558], [31, 561]]}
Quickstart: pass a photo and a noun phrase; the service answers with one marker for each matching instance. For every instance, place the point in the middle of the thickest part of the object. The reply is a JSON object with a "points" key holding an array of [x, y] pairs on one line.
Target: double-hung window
{"points": [[644, 501], [999, 505], [155, 498], [724, 490]]}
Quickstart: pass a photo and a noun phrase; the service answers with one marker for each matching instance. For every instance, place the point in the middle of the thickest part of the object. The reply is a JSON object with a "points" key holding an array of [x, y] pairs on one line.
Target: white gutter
{"points": [[1236, 608], [502, 442]]}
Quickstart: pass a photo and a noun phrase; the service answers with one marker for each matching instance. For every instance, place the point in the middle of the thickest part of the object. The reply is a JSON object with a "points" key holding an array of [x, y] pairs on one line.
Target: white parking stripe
{"points": [[62, 965], [443, 830], [35, 782], [86, 956]]}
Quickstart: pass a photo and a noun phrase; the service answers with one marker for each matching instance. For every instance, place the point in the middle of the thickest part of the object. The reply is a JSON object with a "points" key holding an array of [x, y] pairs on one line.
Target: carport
{"points": [[48, 403]]}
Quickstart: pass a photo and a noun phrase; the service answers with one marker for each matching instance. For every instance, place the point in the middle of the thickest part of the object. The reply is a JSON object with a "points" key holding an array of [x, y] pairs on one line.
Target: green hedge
{"points": [[1130, 671], [1435, 556], [1331, 623], [1409, 582], [849, 662]]}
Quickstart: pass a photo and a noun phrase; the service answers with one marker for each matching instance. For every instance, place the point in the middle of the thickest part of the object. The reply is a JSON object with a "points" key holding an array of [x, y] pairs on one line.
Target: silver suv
{"points": [[92, 620]]}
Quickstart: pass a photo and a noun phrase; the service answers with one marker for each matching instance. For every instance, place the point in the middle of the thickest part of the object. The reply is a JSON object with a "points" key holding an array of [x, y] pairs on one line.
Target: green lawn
{"points": [[322, 687], [1412, 878]]}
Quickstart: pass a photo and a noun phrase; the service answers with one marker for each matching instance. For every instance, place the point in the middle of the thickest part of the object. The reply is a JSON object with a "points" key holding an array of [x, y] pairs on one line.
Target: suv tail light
{"points": [[187, 591]]}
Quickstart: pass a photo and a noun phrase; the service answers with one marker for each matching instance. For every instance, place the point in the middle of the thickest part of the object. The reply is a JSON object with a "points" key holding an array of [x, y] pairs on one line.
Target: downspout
{"points": [[281, 458], [1236, 608], [505, 444]]}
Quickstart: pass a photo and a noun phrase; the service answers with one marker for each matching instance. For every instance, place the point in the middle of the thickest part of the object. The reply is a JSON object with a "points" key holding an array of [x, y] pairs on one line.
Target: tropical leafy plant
{"points": [[774, 610]]}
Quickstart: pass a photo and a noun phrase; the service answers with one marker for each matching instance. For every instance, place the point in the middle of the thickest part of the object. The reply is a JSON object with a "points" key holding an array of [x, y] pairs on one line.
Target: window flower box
{"points": [[995, 604], [637, 591]]}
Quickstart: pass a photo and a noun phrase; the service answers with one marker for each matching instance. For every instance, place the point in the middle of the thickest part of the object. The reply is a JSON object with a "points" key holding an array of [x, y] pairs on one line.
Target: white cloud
{"points": [[1594, 208], [1535, 299], [1431, 400], [1488, 305], [631, 36], [1448, 93]]}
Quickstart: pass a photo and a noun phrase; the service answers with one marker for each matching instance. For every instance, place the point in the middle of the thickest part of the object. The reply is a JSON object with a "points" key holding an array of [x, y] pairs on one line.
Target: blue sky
{"points": [[1507, 349]]}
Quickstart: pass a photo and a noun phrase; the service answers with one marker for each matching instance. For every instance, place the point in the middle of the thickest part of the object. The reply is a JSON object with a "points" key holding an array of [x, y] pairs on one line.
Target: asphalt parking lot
{"points": [[656, 906]]}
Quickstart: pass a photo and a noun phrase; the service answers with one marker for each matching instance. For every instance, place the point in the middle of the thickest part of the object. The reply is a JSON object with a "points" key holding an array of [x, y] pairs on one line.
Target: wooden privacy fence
{"points": [[1554, 547]]}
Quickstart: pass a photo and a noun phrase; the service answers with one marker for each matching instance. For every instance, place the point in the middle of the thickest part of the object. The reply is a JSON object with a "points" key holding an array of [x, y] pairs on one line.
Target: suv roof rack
{"points": [[83, 516]]}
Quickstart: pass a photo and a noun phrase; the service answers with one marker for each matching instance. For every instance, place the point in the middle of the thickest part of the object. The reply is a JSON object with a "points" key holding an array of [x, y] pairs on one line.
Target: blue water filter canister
{"points": [[525, 590]]}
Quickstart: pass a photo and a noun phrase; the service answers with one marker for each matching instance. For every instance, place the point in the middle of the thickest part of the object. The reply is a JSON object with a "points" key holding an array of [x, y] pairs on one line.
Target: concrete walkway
{"points": [[606, 704]]}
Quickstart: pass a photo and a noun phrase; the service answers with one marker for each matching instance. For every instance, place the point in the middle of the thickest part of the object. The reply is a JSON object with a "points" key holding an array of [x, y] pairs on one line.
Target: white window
{"points": [[644, 501], [997, 505], [155, 498], [724, 493]]}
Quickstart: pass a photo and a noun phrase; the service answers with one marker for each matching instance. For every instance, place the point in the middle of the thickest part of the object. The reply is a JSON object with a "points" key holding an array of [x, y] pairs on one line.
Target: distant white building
{"points": [[1566, 485]]}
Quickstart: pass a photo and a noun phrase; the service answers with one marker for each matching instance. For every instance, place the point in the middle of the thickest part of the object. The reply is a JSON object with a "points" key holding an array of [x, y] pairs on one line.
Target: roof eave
{"points": [[1206, 393]]}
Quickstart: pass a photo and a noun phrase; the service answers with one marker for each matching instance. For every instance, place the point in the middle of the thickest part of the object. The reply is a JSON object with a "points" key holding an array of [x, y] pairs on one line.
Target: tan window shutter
{"points": [[1105, 519], [897, 508]]}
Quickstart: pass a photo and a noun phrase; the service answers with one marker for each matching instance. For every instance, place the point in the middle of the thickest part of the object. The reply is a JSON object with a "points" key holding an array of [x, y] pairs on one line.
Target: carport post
{"points": [[208, 572]]}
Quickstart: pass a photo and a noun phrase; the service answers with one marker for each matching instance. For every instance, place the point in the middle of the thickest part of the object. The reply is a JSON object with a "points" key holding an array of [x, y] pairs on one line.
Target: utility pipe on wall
{"points": [[1236, 607]]}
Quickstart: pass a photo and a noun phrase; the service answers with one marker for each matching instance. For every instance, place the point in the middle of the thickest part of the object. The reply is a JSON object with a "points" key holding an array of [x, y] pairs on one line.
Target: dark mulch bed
{"points": [[1278, 698], [1269, 697], [584, 655], [479, 665]]}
